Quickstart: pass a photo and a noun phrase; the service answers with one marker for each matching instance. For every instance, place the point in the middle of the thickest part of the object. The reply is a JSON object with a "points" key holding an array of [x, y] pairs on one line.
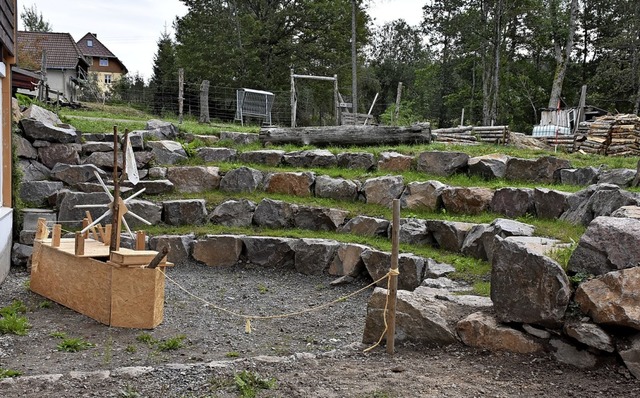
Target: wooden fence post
{"points": [[396, 112], [393, 279], [204, 102], [180, 94]]}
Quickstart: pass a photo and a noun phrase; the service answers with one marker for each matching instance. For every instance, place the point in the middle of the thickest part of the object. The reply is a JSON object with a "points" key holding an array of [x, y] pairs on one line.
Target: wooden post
{"points": [[41, 229], [114, 243], [393, 279], [55, 238], [396, 112], [180, 94], [140, 240], [88, 217], [293, 100], [462, 118], [85, 224], [204, 102], [335, 99], [107, 235], [79, 244]]}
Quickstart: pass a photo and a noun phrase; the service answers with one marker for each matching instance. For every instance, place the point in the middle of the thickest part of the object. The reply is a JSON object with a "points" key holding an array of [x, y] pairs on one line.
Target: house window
{"points": [[107, 79], [104, 62], [89, 43]]}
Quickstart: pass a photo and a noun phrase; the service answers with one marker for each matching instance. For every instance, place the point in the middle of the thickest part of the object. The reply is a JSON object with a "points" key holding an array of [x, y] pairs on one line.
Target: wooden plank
{"points": [[132, 257], [92, 248], [137, 297], [80, 283]]}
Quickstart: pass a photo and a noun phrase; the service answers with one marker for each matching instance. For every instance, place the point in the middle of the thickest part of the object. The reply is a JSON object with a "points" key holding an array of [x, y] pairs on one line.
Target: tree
{"points": [[164, 81], [33, 20], [562, 55]]}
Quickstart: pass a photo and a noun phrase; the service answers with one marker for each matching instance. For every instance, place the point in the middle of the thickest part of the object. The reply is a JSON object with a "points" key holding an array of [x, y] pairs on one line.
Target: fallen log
{"points": [[347, 135]]}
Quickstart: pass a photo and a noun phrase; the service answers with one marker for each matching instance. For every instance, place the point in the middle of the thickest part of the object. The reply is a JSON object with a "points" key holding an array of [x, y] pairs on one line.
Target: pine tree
{"points": [[164, 82], [33, 21]]}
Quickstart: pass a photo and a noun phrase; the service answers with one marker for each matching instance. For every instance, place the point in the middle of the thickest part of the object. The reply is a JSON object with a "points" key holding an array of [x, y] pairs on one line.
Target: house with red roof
{"points": [[65, 67], [101, 61]]}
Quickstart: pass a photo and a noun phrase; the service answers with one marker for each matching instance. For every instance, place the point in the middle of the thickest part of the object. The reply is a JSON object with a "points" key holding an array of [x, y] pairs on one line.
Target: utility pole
{"points": [[354, 59]]}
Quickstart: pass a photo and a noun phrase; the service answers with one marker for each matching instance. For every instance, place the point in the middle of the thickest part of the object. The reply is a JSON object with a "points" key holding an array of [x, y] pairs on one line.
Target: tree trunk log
{"points": [[347, 135]]}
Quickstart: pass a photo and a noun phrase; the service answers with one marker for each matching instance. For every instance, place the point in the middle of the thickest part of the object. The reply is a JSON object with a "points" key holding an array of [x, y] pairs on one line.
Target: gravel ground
{"points": [[317, 354]]}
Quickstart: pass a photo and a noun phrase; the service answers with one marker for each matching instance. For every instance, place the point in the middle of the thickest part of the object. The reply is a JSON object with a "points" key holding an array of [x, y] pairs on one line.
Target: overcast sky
{"points": [[131, 28]]}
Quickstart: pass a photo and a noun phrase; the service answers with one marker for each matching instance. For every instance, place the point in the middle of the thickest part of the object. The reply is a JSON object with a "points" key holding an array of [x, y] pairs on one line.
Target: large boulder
{"points": [[620, 177], [572, 355], [542, 170], [515, 297], [72, 174], [37, 130], [72, 216], [442, 163], [628, 212], [631, 356], [412, 268], [289, 183], [239, 138], [167, 152], [336, 188], [609, 244], [366, 226], [267, 157], [465, 200], [37, 193], [193, 179], [549, 203], [481, 330], [41, 114], [636, 179], [184, 212], [161, 130], [218, 250], [612, 299], [53, 154], [583, 176], [33, 170], [356, 160], [179, 246], [275, 214], [393, 161], [209, 154], [23, 147], [419, 319], [97, 146], [383, 190], [242, 179], [152, 187], [310, 158], [148, 210], [234, 213], [589, 334], [269, 251], [319, 218], [314, 256], [596, 200], [513, 202], [423, 195], [449, 235], [488, 166], [414, 232], [347, 260]]}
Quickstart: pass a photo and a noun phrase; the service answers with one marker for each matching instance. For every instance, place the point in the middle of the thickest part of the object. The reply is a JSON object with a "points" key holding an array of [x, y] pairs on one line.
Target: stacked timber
{"points": [[614, 135], [492, 134], [565, 143], [348, 119], [473, 134]]}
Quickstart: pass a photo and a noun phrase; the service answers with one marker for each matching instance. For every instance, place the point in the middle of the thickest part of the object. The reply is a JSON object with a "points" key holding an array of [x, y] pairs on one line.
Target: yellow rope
{"points": [[392, 271], [248, 318]]}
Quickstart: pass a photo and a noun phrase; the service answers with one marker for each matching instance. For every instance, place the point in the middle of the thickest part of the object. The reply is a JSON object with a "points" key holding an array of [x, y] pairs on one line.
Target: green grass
{"points": [[250, 383], [11, 320], [74, 344], [5, 373], [173, 343], [146, 338]]}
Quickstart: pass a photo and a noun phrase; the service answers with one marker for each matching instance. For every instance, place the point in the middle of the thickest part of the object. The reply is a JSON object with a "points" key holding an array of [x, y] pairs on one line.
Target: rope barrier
{"points": [[249, 318], [384, 313]]}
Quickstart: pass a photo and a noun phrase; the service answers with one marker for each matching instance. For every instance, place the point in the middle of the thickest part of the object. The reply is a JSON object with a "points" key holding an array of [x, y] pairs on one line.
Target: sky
{"points": [[131, 28]]}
